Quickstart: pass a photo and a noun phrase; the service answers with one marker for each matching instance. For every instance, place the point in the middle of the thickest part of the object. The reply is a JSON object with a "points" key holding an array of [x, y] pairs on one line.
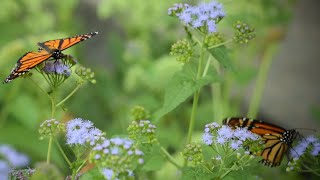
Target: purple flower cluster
{"points": [[215, 133], [80, 132], [12, 159], [117, 157], [57, 67], [312, 143], [4, 169], [203, 15]]}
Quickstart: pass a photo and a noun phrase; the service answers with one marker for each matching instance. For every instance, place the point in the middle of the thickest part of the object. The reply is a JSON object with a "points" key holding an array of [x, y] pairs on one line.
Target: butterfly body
{"points": [[48, 49], [277, 140]]}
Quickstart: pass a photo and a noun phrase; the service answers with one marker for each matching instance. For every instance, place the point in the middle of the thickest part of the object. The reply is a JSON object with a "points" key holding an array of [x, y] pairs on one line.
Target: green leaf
{"points": [[195, 173], [182, 86], [153, 159], [92, 174], [154, 163], [221, 54]]}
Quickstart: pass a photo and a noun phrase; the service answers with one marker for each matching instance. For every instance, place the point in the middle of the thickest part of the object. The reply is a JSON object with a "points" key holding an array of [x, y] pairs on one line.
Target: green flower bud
{"points": [[50, 127], [183, 50], [244, 33], [193, 153], [139, 113], [213, 39]]}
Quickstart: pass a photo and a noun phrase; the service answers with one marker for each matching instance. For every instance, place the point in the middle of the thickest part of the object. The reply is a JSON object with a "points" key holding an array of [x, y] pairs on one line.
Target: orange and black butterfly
{"points": [[277, 140], [48, 49]]}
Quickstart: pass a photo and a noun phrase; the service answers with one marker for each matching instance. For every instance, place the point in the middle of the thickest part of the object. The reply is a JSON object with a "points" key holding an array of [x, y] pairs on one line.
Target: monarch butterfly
{"points": [[277, 139], [47, 49]]}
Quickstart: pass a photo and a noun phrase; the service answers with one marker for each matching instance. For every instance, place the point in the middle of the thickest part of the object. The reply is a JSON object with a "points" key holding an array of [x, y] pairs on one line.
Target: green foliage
{"points": [[221, 54], [137, 71], [180, 88], [197, 173], [92, 174]]}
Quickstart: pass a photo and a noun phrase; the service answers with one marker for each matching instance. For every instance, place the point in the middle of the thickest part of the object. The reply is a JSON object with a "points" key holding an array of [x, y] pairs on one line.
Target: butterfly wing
{"points": [[274, 150], [277, 140], [62, 44], [27, 62]]}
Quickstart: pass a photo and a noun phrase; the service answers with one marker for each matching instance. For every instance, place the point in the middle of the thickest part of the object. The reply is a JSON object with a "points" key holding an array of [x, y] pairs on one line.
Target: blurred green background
{"points": [[130, 57]]}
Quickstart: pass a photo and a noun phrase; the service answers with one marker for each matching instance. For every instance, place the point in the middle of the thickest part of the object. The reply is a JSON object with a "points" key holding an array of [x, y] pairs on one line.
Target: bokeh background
{"points": [[130, 57]]}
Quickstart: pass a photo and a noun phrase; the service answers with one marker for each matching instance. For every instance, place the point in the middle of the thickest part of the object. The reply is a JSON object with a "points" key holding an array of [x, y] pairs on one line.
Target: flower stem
{"points": [[267, 57], [67, 97], [53, 103], [79, 168], [223, 43], [49, 150], [74, 173], [169, 157], [195, 102], [195, 99], [62, 152], [53, 110], [233, 167]]}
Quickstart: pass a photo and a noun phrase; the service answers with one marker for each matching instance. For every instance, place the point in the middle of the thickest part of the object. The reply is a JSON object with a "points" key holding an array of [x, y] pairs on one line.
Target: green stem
{"points": [[53, 103], [67, 97], [193, 115], [205, 71], [223, 43], [62, 152], [308, 169], [195, 102], [267, 57], [74, 173], [83, 163], [169, 157], [53, 109], [231, 168], [49, 150]]}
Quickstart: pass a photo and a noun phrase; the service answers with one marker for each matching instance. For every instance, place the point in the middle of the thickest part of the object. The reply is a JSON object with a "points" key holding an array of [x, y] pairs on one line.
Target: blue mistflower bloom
{"points": [[108, 173], [203, 15], [207, 138], [118, 157], [80, 132], [305, 155], [115, 151], [49, 67], [4, 169], [236, 144], [141, 161], [316, 149], [301, 148], [224, 135], [57, 67], [220, 140], [97, 156], [14, 158], [117, 141]]}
